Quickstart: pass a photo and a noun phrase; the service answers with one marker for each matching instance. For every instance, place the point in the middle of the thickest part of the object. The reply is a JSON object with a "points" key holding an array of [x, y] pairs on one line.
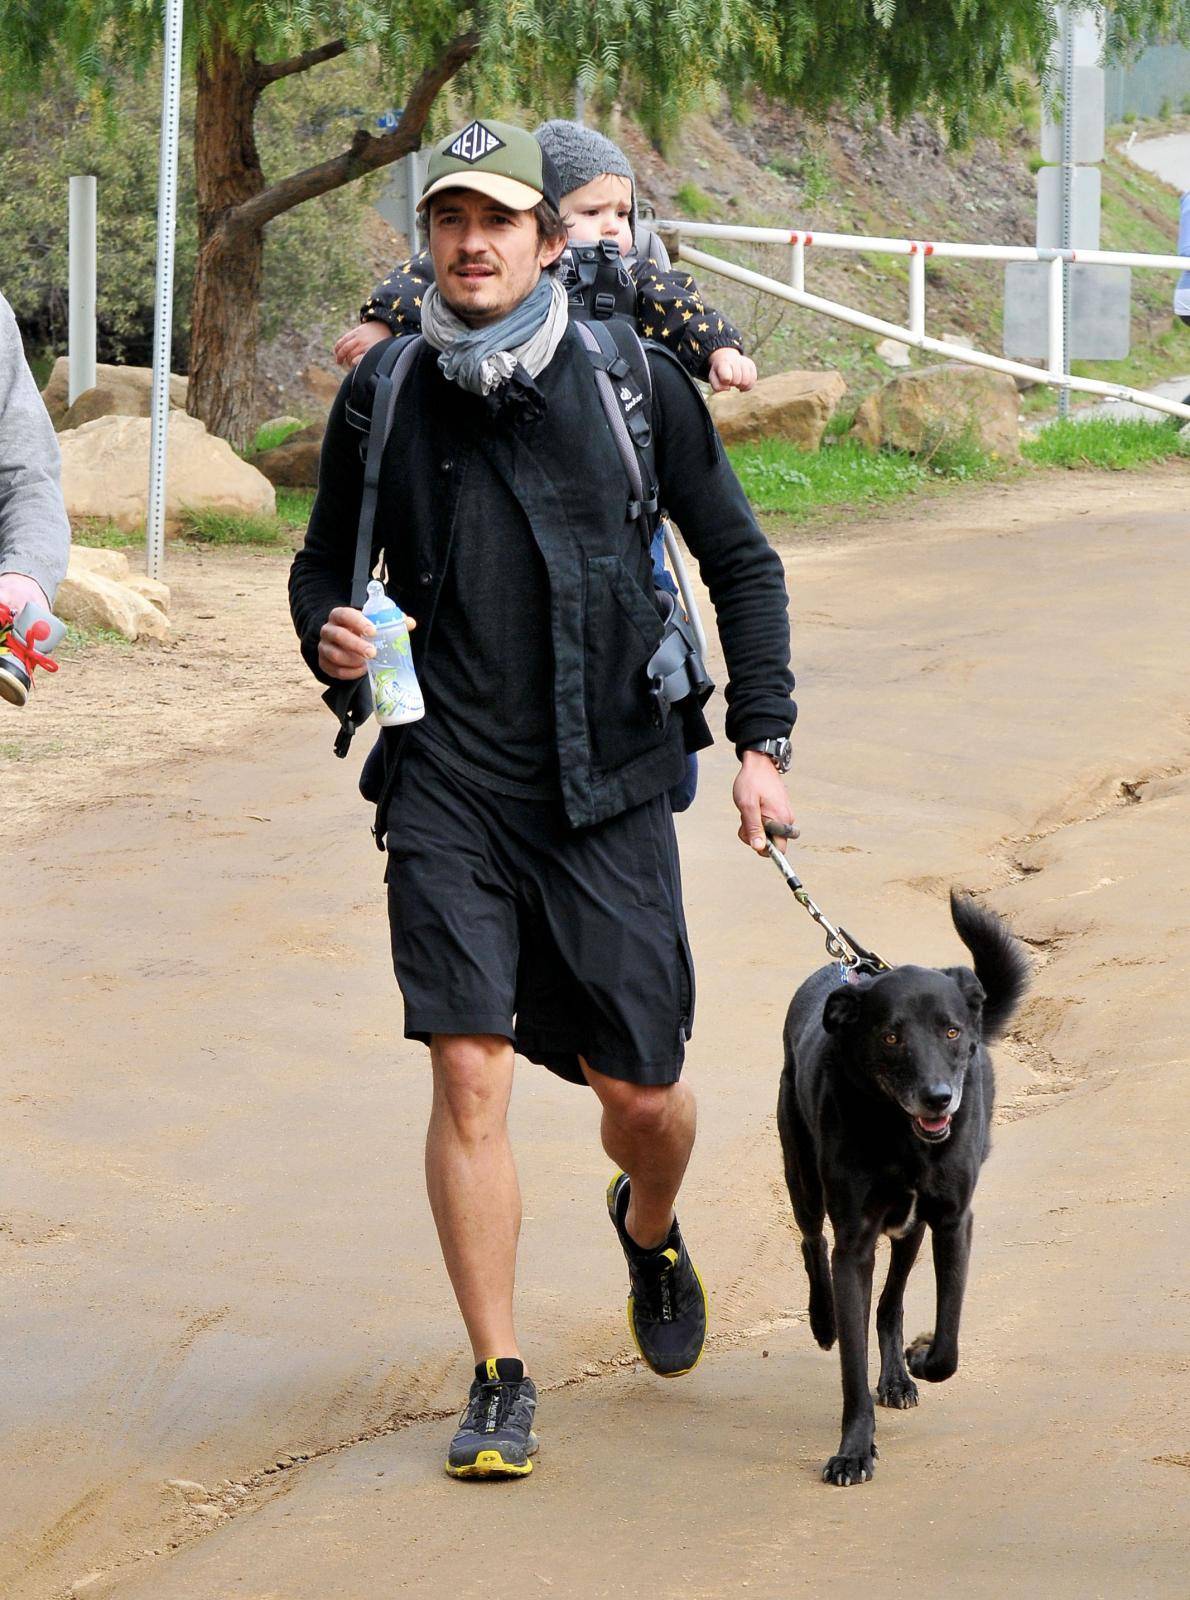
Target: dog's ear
{"points": [[973, 991], [842, 1008]]}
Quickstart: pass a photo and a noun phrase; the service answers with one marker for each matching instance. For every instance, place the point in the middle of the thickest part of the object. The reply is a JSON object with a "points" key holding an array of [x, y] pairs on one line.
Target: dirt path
{"points": [[212, 1230]]}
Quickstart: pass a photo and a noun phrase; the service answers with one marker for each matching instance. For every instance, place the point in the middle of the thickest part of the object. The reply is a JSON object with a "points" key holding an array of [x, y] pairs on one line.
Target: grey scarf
{"points": [[481, 359]]}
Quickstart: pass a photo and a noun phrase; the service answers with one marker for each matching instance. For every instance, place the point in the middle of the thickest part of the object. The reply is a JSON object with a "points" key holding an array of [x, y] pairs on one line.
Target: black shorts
{"points": [[506, 921]]}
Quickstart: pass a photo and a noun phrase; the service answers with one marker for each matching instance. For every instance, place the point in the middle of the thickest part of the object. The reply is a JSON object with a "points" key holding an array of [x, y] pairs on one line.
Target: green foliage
{"points": [[312, 267], [79, 639], [695, 203], [294, 507], [778, 477], [950, 58], [1102, 442], [208, 526], [269, 436], [104, 535], [284, 530]]}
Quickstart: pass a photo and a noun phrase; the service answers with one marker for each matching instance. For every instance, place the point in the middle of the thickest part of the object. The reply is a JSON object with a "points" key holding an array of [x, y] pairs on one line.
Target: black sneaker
{"points": [[667, 1309], [495, 1435]]}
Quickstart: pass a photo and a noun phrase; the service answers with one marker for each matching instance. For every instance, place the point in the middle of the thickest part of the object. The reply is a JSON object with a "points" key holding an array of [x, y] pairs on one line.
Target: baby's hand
{"points": [[356, 342], [731, 370]]}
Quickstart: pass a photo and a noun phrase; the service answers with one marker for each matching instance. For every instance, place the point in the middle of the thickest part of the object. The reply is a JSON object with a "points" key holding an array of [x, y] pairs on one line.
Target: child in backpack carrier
{"points": [[598, 202]]}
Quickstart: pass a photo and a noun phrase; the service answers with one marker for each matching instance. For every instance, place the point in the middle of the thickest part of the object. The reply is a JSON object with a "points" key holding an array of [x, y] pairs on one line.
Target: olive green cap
{"points": [[495, 158]]}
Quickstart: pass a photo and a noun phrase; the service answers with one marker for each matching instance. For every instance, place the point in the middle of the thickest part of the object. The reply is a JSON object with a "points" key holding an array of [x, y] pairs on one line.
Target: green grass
{"points": [[1100, 442], [105, 535], [209, 526], [229, 527], [293, 507], [778, 477], [79, 639], [695, 203], [270, 436]]}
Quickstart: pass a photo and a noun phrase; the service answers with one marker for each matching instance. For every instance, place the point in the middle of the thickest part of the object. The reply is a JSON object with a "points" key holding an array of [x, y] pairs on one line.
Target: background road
{"points": [[216, 1251]]}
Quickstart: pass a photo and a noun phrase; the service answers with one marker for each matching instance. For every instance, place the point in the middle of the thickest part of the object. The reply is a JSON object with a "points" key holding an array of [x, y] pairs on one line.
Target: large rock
{"points": [[294, 464], [150, 589], [93, 558], [321, 384], [105, 473], [918, 411], [118, 391], [91, 601], [791, 405]]}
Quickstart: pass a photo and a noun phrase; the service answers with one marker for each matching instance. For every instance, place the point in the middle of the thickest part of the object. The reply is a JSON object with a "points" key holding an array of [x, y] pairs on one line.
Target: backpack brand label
{"points": [[474, 143]]}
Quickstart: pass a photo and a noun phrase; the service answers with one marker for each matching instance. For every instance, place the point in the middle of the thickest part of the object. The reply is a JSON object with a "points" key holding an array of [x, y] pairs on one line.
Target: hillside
{"points": [[774, 170]]}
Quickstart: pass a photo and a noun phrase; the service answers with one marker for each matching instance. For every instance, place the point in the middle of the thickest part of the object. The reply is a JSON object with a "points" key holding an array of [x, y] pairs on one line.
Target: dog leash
{"points": [[854, 960]]}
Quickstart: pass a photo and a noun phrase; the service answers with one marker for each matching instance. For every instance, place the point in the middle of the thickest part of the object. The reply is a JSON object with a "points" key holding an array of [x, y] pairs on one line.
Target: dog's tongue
{"points": [[933, 1124]]}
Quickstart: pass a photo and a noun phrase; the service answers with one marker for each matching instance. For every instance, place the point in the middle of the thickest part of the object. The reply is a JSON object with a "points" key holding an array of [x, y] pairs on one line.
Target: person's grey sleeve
{"points": [[34, 531]]}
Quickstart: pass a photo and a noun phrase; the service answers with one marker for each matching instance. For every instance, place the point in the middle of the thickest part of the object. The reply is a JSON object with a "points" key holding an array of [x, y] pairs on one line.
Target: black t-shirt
{"points": [[487, 675]]}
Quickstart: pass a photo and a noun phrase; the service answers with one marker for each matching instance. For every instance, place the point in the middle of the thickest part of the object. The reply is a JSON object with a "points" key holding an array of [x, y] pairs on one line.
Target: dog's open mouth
{"points": [[932, 1129]]}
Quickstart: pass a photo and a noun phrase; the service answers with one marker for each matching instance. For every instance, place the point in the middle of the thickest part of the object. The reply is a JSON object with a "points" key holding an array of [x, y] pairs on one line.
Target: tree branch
{"points": [[271, 71], [366, 153]]}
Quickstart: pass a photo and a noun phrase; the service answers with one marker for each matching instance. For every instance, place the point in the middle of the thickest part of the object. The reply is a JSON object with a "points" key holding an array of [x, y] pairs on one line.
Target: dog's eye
{"points": [[952, 1033], [892, 1038]]}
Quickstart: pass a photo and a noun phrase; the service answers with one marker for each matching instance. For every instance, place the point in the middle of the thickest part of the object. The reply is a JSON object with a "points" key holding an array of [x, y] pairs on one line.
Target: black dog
{"points": [[884, 1115]]}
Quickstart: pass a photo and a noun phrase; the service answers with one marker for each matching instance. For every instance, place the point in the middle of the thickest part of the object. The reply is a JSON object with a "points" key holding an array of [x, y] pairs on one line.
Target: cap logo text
{"points": [[474, 143]]}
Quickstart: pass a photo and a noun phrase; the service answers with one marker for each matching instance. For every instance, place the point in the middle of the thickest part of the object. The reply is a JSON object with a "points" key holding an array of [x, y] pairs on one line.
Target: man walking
{"points": [[533, 880]]}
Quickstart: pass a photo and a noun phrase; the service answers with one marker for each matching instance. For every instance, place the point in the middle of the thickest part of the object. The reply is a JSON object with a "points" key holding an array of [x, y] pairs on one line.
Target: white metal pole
{"points": [[917, 293], [167, 207], [412, 196], [798, 263], [1057, 320], [1067, 189], [81, 347]]}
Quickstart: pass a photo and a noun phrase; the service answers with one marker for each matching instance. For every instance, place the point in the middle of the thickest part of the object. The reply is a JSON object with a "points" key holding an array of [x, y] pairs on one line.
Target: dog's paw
{"points": [[925, 1362], [843, 1471], [899, 1393], [822, 1326]]}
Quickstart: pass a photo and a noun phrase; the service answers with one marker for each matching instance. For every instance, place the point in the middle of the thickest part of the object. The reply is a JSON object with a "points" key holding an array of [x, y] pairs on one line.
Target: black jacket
{"points": [[448, 458]]}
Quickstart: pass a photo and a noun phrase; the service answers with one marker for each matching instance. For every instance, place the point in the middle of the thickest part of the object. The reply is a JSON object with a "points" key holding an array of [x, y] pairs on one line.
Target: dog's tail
{"points": [[999, 959]]}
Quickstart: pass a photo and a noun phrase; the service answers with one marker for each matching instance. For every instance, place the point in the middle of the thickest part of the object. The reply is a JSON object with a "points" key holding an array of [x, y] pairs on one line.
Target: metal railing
{"points": [[913, 332]]}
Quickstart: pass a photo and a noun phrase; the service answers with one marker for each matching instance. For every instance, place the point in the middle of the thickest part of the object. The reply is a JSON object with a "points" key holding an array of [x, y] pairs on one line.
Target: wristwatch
{"points": [[779, 751]]}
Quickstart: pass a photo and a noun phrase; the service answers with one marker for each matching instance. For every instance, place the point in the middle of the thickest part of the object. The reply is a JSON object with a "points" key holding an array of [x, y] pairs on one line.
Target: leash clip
{"points": [[853, 958]]}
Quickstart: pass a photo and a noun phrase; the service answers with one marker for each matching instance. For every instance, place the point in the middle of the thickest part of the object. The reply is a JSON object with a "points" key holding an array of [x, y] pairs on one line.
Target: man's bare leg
{"points": [[472, 1183], [648, 1131]]}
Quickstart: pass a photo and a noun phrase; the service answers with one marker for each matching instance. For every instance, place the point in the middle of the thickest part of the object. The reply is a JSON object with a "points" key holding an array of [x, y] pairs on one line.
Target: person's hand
{"points": [[16, 592], [759, 795], [731, 370], [356, 342], [345, 643]]}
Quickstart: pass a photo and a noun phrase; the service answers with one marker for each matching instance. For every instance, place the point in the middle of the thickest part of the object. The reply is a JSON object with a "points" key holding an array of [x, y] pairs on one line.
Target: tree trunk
{"points": [[225, 311]]}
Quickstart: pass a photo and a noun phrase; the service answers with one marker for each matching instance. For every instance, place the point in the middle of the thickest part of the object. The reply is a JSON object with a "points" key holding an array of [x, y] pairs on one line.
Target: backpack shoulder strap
{"points": [[373, 413], [625, 388], [370, 407]]}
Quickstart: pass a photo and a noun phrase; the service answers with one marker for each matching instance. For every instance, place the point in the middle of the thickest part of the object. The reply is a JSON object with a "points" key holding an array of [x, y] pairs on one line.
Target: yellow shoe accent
{"points": [[490, 1464], [492, 1372]]}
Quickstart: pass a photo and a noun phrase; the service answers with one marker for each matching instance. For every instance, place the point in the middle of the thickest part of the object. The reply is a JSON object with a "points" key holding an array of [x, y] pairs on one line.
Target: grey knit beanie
{"points": [[581, 154]]}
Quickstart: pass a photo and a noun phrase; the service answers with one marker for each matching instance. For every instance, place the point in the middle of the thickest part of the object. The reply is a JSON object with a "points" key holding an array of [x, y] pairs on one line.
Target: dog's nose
{"points": [[937, 1097]]}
